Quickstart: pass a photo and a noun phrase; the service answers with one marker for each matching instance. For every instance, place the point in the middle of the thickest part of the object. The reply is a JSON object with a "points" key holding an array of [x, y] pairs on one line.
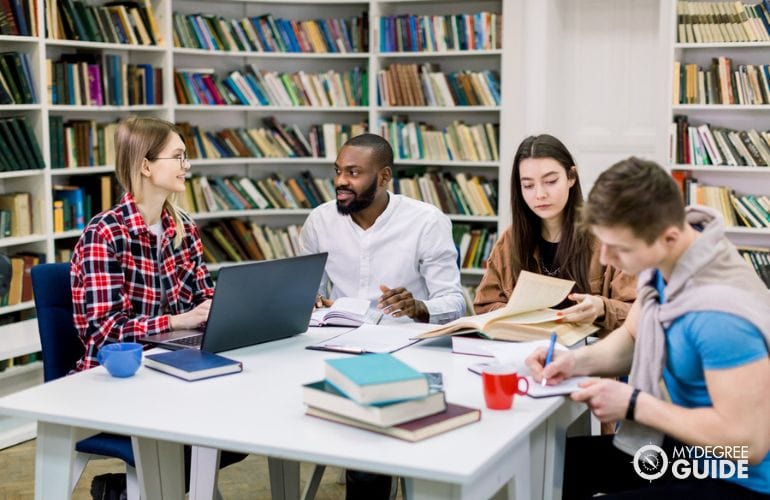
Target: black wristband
{"points": [[632, 405]]}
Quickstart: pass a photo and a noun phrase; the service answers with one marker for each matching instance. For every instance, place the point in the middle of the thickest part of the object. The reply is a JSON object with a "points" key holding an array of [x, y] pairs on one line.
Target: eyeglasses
{"points": [[183, 159]]}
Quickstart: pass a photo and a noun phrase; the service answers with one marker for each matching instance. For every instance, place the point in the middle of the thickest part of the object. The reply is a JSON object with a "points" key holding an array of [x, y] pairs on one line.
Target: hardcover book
{"points": [[376, 378], [324, 396], [415, 430], [192, 364]]}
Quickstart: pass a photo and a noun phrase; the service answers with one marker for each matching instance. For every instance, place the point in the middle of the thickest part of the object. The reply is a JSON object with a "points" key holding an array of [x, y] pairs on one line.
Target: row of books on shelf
{"points": [[217, 193], [96, 80], [255, 87], [759, 258], [457, 141], [15, 214], [234, 240], [18, 17], [16, 84], [452, 193], [709, 145], [474, 243], [266, 33], [19, 149], [737, 210], [74, 205], [20, 286], [748, 84], [24, 359], [124, 22], [719, 22], [425, 85], [80, 143], [275, 140], [416, 33], [382, 394]]}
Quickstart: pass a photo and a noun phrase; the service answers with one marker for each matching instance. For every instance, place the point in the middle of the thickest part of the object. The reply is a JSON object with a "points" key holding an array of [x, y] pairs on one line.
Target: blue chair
{"points": [[62, 348]]}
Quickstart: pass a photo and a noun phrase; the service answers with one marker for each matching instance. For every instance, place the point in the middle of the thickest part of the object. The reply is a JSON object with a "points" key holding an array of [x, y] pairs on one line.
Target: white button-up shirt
{"points": [[409, 245]]}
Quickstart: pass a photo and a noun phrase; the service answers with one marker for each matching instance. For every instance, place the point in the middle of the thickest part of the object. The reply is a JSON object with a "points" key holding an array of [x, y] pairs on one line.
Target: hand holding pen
{"points": [[550, 364], [548, 358]]}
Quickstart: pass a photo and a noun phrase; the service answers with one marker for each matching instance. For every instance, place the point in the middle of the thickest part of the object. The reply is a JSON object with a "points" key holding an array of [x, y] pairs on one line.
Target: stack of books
{"points": [[379, 393]]}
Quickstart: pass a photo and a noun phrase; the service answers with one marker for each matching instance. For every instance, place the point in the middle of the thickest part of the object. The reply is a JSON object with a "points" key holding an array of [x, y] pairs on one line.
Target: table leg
{"points": [[555, 447], [284, 479], [204, 469], [160, 468], [54, 456]]}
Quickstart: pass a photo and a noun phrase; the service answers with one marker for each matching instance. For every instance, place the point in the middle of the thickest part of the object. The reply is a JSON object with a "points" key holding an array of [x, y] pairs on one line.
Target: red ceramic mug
{"points": [[501, 383]]}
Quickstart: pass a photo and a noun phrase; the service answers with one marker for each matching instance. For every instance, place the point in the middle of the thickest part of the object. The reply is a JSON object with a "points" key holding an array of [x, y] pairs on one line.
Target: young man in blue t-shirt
{"points": [[695, 344]]}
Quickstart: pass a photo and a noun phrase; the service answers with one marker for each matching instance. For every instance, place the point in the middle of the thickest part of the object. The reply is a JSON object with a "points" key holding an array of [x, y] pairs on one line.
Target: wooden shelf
{"points": [[17, 339], [271, 109], [106, 109], [19, 39], [722, 169], [444, 53], [271, 55], [105, 46], [204, 162], [439, 109], [473, 218], [14, 430], [764, 231], [448, 163], [82, 170], [22, 173], [21, 240], [72, 233], [721, 107], [250, 213], [721, 45]]}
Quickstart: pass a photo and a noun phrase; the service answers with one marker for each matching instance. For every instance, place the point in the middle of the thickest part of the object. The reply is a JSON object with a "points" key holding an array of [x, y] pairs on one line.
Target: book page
{"points": [[369, 338], [536, 291], [565, 388], [350, 308]]}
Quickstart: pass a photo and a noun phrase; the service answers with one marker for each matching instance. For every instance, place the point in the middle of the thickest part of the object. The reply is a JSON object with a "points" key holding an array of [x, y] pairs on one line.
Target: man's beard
{"points": [[359, 201]]}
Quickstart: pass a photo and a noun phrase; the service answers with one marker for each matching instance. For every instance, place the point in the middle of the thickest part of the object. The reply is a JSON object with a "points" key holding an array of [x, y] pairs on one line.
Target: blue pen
{"points": [[549, 356]]}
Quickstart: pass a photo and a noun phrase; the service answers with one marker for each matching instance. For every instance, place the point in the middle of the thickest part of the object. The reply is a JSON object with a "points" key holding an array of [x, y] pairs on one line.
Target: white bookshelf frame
{"points": [[40, 182], [742, 178]]}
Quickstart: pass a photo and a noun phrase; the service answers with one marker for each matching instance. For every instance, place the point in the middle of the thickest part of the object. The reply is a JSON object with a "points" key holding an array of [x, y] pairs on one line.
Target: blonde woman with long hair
{"points": [[138, 269]]}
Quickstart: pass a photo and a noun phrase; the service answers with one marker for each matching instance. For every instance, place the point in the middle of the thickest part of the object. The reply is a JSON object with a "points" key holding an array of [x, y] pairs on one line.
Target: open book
{"points": [[527, 316], [346, 311]]}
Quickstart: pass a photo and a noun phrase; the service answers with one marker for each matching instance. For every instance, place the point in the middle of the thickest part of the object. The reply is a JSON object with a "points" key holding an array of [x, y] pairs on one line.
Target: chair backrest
{"points": [[53, 301]]}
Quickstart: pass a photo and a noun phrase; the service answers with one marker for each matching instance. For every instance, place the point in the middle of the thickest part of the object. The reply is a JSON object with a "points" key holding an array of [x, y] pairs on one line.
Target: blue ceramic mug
{"points": [[120, 359]]}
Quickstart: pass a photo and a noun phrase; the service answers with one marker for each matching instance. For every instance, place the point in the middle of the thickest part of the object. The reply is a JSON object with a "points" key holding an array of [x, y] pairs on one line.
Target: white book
{"points": [[253, 193]]}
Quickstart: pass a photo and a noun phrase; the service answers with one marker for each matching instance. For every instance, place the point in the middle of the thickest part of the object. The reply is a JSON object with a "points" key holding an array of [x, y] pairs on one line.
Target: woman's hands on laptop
{"points": [[193, 319]]}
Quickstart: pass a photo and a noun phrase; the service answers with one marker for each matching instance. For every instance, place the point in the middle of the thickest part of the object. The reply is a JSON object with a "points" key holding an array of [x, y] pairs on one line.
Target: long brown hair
{"points": [[574, 250], [137, 138]]}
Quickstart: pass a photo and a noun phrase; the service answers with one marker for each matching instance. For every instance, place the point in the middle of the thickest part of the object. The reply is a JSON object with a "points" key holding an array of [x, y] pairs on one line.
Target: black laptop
{"points": [[254, 303]]}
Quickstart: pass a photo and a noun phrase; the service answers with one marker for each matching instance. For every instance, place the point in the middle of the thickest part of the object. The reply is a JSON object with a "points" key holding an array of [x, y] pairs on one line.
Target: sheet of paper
{"points": [[567, 387], [536, 291], [516, 353], [370, 338]]}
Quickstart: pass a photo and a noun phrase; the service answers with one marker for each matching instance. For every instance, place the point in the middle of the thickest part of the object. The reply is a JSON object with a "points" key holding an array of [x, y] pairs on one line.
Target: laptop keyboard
{"points": [[194, 340]]}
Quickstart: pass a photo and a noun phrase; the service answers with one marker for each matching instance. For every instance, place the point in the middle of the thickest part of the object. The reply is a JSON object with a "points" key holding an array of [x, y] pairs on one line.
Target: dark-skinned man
{"points": [[395, 251]]}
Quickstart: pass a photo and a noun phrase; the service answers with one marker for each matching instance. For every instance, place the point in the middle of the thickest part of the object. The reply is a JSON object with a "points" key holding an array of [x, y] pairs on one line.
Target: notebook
{"points": [[254, 303]]}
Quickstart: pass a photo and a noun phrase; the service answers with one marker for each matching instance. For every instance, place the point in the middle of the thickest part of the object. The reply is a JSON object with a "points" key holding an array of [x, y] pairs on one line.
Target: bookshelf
{"points": [[742, 179], [20, 336]]}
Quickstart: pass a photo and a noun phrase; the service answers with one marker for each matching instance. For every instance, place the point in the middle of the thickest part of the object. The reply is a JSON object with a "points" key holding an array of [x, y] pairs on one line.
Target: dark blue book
{"points": [[192, 364]]}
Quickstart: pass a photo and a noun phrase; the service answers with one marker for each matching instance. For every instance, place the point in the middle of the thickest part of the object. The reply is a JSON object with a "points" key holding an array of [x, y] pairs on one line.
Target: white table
{"points": [[260, 411]]}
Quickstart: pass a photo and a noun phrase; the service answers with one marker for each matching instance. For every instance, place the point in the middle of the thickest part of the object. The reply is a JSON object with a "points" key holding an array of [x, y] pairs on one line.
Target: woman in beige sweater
{"points": [[545, 238]]}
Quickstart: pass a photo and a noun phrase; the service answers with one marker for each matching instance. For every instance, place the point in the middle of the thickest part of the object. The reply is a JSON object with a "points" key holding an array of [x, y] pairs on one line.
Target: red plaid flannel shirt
{"points": [[116, 286]]}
